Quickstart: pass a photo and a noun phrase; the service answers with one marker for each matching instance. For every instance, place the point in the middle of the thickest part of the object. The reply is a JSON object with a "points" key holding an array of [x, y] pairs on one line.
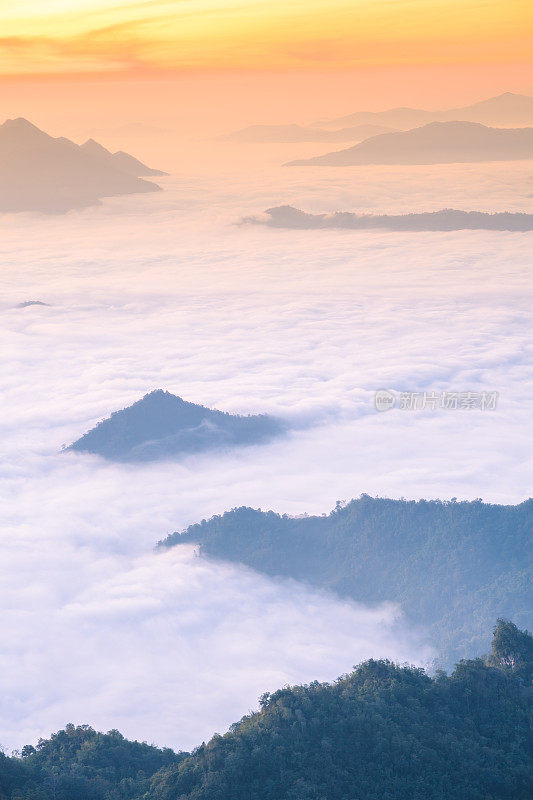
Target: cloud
{"points": [[169, 293], [173, 35], [170, 647]]}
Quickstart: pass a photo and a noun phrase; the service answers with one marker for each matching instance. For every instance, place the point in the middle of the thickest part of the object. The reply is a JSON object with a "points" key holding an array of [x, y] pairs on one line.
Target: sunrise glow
{"points": [[89, 37]]}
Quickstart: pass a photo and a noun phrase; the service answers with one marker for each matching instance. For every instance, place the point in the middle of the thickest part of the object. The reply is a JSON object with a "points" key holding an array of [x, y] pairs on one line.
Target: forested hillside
{"points": [[453, 566], [382, 731], [80, 764]]}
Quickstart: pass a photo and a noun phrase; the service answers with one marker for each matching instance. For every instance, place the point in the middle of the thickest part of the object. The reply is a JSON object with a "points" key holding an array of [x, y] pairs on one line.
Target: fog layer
{"points": [[165, 291]]}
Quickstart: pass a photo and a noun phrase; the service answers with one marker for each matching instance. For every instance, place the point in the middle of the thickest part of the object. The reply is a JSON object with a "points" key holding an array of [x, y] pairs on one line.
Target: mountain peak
{"points": [[161, 425], [21, 125], [514, 95], [92, 146], [20, 122], [161, 394], [450, 124]]}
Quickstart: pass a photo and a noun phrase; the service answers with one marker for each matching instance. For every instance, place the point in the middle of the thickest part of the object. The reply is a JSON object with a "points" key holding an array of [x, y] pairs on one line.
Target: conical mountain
{"points": [[161, 425]]}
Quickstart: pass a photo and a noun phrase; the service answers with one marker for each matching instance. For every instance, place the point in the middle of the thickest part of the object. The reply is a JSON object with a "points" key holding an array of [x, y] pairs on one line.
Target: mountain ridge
{"points": [[39, 172], [300, 133], [382, 730], [374, 550], [447, 219], [507, 108], [434, 143], [121, 160]]}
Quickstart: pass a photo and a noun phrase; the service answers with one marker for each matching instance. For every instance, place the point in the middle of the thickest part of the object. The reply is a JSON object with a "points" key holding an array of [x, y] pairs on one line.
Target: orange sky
{"points": [[78, 67], [146, 37]]}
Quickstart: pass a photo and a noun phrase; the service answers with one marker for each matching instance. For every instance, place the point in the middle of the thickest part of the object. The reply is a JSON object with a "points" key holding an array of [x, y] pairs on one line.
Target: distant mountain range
{"points": [[54, 175], [452, 566], [436, 143], [506, 110], [299, 133], [447, 219], [28, 303], [162, 426]]}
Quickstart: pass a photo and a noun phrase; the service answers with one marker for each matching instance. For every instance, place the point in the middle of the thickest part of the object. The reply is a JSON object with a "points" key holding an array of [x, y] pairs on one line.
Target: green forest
{"points": [[79, 763], [454, 567], [381, 732]]}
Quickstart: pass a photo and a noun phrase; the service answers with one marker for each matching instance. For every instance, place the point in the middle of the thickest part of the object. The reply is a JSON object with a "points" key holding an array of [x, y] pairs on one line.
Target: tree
{"points": [[512, 650]]}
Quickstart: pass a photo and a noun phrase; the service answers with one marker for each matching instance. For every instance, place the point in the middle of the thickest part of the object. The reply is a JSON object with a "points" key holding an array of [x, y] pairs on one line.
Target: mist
{"points": [[168, 647], [171, 292]]}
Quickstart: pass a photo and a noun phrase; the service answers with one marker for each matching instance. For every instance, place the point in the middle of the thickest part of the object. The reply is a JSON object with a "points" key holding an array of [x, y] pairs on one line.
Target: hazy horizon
{"points": [[185, 135]]}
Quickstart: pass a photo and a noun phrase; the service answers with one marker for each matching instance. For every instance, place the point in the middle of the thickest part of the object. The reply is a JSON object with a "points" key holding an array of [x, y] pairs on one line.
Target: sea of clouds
{"points": [[170, 292]]}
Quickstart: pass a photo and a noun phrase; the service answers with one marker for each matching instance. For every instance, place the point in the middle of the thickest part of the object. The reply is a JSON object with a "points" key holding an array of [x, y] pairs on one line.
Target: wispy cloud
{"points": [[205, 34]]}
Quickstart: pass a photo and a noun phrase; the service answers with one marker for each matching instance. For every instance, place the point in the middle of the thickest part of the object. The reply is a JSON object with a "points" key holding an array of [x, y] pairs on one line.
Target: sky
{"points": [[66, 37], [195, 66]]}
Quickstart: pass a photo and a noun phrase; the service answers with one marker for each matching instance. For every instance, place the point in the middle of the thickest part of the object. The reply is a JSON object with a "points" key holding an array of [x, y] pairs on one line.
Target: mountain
{"points": [[436, 143], [119, 160], [447, 219], [161, 425], [506, 110], [53, 175], [452, 566], [381, 731], [298, 133], [401, 118]]}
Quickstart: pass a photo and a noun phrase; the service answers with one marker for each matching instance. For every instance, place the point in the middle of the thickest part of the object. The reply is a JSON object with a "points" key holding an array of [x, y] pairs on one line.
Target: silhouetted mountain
{"points": [[298, 133], [506, 110], [436, 143], [401, 118], [40, 173], [381, 731], [161, 425], [119, 160], [453, 566], [446, 220]]}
